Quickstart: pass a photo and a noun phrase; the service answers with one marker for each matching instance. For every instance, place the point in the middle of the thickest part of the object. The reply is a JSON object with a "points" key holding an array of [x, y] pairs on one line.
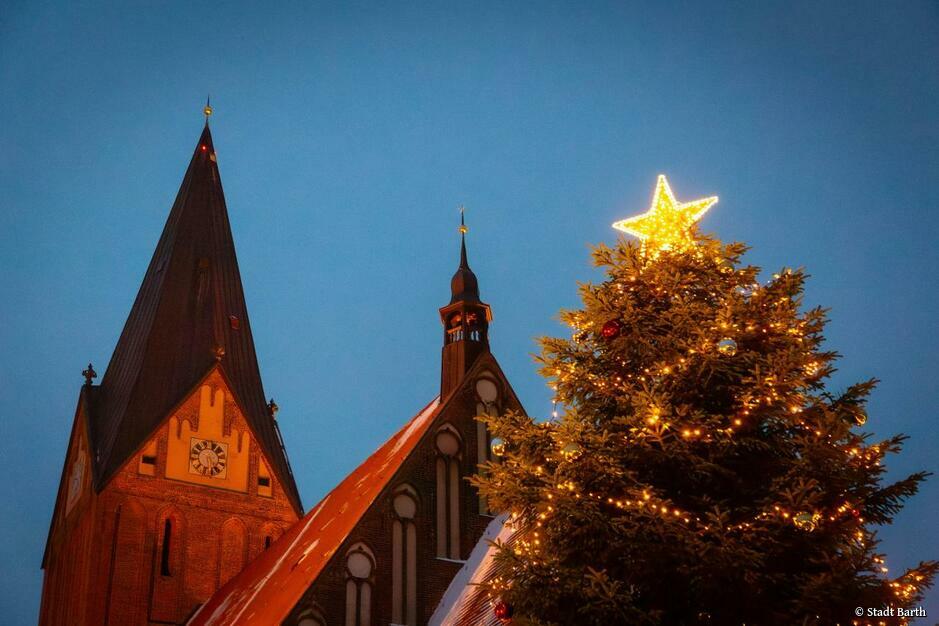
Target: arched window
{"points": [[360, 563], [128, 584], [264, 538], [404, 558], [472, 321], [167, 542], [455, 328], [167, 579], [487, 403], [233, 543], [448, 492]]}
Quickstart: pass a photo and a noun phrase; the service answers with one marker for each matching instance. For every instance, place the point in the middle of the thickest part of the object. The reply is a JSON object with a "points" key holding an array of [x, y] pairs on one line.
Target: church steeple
{"points": [[175, 469], [465, 320], [189, 317]]}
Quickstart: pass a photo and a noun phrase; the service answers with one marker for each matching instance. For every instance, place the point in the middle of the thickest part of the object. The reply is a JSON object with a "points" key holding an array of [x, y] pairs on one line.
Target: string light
{"points": [[688, 325], [667, 223]]}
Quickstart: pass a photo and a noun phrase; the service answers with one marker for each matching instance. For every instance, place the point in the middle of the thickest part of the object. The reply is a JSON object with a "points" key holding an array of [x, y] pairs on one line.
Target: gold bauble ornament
{"points": [[571, 450], [806, 521], [727, 346]]}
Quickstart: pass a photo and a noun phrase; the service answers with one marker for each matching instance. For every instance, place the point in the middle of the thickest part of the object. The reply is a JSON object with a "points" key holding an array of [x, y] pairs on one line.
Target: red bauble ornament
{"points": [[503, 611], [611, 329]]}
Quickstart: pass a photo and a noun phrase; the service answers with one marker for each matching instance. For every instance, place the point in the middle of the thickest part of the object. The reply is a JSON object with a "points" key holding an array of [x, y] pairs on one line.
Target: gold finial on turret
{"points": [[208, 108], [463, 229]]}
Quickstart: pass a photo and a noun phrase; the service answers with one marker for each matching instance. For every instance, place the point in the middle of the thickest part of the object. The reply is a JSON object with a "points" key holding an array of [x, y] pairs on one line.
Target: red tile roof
{"points": [[189, 316], [269, 587]]}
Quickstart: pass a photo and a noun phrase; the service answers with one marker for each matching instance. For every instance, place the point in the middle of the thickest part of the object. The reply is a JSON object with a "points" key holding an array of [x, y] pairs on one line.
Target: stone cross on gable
{"points": [[89, 374]]}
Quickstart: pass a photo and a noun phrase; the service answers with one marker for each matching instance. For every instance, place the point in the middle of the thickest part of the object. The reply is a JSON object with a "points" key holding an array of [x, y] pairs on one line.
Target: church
{"points": [[177, 503]]}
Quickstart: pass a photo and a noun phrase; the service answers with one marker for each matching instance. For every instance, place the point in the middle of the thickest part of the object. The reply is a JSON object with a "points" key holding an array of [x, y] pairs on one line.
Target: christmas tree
{"points": [[700, 471]]}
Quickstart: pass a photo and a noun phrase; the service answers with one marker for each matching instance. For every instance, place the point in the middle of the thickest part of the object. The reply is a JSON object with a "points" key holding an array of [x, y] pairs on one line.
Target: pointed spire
{"points": [[465, 321], [463, 286], [463, 230], [189, 317]]}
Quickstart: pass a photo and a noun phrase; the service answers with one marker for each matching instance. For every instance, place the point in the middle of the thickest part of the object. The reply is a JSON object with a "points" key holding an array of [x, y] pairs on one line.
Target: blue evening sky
{"points": [[347, 135]]}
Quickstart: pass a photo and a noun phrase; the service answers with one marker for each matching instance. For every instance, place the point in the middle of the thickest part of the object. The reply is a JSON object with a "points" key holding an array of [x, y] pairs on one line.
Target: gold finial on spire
{"points": [[208, 108], [463, 227]]}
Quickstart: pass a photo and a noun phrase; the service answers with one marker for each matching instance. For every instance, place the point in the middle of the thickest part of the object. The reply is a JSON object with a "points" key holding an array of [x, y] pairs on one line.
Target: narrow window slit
{"points": [[165, 554]]}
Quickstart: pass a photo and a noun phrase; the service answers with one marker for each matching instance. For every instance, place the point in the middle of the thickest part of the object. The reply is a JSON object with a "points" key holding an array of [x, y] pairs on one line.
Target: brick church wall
{"points": [[327, 595], [104, 560]]}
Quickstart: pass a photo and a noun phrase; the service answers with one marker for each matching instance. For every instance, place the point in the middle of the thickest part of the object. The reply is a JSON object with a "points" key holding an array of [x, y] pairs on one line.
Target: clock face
{"points": [[208, 458]]}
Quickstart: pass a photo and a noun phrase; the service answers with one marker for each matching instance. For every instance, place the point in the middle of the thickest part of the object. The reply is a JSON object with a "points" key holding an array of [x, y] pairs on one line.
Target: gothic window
{"points": [[126, 593], [167, 581], [487, 396], [232, 547], [448, 492], [359, 566], [404, 558], [166, 547], [487, 403], [266, 536]]}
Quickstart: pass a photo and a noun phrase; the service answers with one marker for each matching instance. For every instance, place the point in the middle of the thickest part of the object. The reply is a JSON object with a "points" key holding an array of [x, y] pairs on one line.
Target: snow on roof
{"points": [[464, 601], [270, 586]]}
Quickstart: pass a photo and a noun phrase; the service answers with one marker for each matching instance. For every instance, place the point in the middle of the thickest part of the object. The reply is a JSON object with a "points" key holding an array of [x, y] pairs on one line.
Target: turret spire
{"points": [[465, 320], [463, 285]]}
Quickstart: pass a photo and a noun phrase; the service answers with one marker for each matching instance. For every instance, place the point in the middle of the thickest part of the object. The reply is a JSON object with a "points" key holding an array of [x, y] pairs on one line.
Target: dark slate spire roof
{"points": [[189, 316], [463, 286]]}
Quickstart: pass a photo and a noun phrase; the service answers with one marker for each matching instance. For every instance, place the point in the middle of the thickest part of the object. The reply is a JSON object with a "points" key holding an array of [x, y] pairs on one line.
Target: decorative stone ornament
{"points": [[89, 375]]}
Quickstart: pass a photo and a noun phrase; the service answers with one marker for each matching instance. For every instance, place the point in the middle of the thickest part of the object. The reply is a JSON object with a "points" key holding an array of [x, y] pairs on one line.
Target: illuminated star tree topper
{"points": [[667, 225], [701, 469]]}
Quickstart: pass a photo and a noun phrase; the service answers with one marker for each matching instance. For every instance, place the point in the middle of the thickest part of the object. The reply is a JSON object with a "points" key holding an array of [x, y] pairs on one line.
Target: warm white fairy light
{"points": [[667, 223]]}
